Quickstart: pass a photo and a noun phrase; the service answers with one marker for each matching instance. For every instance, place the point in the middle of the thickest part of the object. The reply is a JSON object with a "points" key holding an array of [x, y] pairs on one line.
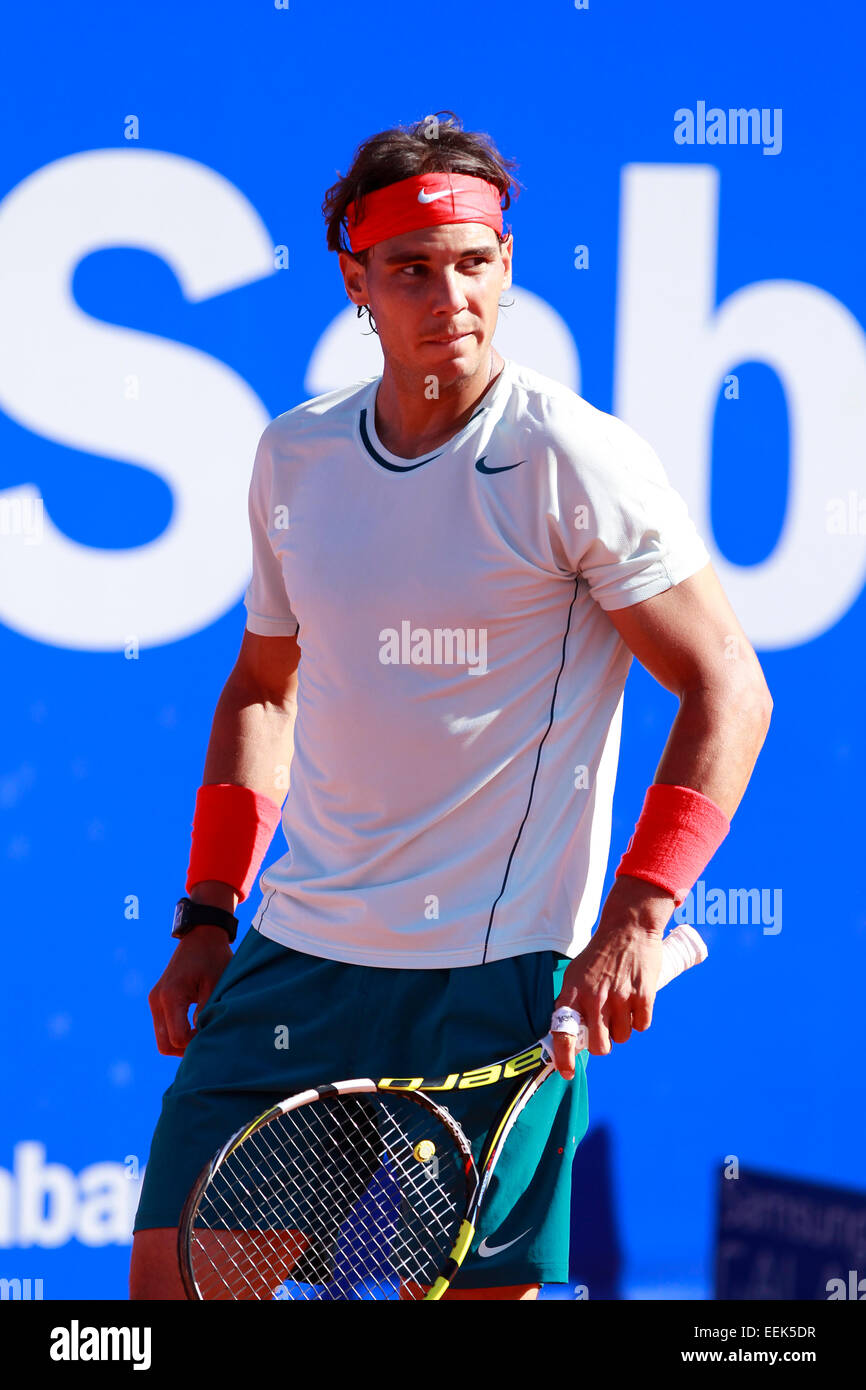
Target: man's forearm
{"points": [[251, 744], [715, 740], [713, 746]]}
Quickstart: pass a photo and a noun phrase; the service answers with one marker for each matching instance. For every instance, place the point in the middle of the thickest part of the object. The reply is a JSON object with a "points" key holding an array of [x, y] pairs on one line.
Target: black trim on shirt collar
{"points": [[402, 467]]}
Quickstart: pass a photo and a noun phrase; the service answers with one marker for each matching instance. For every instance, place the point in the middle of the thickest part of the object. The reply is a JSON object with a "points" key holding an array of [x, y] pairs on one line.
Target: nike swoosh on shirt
{"points": [[485, 1250], [482, 467], [424, 197]]}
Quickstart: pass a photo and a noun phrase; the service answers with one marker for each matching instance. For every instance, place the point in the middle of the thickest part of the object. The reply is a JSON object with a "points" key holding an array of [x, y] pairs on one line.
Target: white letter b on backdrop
{"points": [[673, 350]]}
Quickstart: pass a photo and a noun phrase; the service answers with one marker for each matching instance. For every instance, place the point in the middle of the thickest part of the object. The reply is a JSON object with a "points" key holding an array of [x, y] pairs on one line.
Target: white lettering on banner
{"points": [[47, 1204], [62, 376], [195, 422], [673, 348]]}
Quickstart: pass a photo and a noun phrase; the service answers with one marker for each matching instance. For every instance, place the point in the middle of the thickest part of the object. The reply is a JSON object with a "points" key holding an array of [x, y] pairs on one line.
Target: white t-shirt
{"points": [[460, 684]]}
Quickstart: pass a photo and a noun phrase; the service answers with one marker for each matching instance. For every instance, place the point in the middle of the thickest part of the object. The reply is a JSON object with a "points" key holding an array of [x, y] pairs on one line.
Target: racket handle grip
{"points": [[681, 949]]}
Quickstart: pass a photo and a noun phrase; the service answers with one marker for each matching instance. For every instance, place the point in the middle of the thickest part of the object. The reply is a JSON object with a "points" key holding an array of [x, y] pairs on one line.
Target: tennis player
{"points": [[453, 565]]}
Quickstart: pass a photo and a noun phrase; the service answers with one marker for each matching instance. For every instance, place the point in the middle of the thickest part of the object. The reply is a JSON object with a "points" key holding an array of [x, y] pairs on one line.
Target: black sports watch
{"points": [[188, 914]]}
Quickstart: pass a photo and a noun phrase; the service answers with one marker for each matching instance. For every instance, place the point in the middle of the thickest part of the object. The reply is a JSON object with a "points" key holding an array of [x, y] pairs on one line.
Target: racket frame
{"points": [[525, 1087], [358, 1086], [529, 1068]]}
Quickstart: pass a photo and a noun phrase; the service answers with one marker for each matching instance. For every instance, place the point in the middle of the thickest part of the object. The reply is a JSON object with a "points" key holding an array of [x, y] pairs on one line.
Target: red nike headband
{"points": [[425, 200]]}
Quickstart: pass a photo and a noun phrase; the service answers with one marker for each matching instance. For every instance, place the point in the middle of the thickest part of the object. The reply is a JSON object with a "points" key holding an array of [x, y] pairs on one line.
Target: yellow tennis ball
{"points": [[424, 1150]]}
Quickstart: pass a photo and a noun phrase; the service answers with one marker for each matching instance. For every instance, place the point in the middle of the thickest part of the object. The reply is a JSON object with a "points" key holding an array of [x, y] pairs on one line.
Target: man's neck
{"points": [[409, 425]]}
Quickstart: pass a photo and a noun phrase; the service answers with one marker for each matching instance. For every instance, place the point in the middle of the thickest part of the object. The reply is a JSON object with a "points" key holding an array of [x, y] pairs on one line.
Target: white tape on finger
{"points": [[565, 1020], [568, 1021]]}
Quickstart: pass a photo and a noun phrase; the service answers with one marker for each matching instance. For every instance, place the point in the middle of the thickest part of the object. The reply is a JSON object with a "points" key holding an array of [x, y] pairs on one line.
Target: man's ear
{"points": [[354, 278], [507, 250]]}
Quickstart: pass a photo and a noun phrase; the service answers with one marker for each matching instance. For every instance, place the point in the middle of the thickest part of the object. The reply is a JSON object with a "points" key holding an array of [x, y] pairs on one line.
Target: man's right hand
{"points": [[189, 978]]}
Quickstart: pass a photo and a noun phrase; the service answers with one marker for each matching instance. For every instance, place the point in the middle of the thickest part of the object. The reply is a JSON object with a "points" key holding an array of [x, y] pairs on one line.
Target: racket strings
{"points": [[331, 1200], [334, 1192], [242, 1198], [436, 1209], [268, 1195]]}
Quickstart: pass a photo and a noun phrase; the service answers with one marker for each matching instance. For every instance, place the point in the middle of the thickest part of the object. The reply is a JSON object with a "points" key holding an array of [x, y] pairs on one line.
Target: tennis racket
{"points": [[363, 1189]]}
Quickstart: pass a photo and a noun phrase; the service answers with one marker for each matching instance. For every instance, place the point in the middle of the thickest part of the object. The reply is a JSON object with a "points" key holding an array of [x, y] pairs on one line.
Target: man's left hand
{"points": [[612, 983]]}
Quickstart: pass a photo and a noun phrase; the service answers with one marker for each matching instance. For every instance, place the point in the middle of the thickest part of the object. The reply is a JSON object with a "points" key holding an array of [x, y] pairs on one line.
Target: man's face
{"points": [[438, 283]]}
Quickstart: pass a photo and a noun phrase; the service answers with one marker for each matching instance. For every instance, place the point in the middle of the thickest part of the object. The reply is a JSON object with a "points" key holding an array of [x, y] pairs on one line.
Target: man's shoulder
{"points": [[318, 412], [570, 422]]}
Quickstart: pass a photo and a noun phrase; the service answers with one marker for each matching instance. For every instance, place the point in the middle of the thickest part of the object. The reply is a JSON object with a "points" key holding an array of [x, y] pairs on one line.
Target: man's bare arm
{"points": [[252, 736], [251, 744], [689, 639]]}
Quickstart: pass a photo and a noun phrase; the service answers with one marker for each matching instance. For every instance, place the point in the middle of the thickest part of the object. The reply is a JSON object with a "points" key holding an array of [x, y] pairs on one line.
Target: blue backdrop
{"points": [[165, 289]]}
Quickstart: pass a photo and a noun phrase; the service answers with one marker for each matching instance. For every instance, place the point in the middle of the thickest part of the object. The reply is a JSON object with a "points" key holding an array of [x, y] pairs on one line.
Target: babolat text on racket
{"points": [[362, 1189]]}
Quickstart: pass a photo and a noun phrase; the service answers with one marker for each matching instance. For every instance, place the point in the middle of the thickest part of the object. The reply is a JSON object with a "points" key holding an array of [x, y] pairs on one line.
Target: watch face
{"points": [[188, 914]]}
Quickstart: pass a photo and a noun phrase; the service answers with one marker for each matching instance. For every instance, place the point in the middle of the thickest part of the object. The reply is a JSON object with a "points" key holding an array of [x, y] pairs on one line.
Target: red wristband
{"points": [[676, 836], [231, 830]]}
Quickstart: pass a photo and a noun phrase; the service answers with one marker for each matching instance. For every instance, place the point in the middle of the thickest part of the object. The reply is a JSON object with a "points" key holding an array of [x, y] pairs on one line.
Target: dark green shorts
{"points": [[343, 1021]]}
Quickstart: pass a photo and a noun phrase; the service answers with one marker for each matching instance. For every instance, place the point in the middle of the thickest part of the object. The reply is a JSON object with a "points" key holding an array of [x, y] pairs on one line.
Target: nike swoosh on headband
{"points": [[482, 467], [485, 1250], [424, 197]]}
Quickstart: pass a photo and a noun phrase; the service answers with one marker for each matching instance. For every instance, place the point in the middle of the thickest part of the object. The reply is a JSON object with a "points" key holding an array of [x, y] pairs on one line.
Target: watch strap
{"points": [[188, 914]]}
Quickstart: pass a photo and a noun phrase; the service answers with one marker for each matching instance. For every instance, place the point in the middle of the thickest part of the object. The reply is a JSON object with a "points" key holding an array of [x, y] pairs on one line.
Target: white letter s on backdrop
{"points": [[62, 376]]}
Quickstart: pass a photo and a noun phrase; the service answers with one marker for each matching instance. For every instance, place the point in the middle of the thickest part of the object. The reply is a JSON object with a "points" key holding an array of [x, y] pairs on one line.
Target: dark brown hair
{"points": [[431, 145]]}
